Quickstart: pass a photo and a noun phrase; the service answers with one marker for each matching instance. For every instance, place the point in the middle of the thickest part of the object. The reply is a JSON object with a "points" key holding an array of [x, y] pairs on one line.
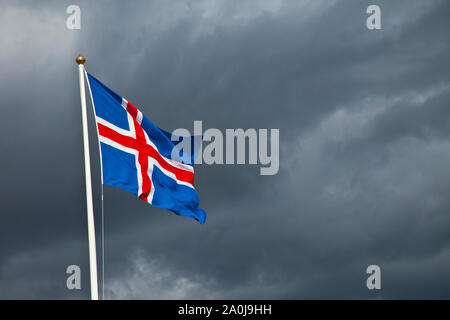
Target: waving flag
{"points": [[136, 155]]}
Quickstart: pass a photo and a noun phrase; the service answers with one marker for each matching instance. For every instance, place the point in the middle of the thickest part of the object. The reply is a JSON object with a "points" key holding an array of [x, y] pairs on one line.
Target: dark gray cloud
{"points": [[364, 148]]}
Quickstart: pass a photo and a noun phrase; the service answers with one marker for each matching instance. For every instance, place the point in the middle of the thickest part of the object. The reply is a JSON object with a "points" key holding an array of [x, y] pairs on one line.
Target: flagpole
{"points": [[87, 168]]}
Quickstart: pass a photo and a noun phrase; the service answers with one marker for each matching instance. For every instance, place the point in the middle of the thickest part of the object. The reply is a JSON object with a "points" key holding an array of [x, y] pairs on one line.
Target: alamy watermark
{"points": [[235, 146], [73, 21], [373, 22], [74, 280], [374, 280]]}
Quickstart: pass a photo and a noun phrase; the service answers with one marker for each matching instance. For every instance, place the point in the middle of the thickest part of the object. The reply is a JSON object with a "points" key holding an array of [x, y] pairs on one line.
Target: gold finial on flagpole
{"points": [[80, 59]]}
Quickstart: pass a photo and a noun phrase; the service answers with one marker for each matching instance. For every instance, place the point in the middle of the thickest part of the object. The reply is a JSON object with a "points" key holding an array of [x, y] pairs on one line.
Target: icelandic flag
{"points": [[137, 156]]}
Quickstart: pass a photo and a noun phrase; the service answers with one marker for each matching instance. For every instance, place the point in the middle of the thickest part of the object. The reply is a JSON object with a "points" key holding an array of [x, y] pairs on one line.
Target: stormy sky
{"points": [[364, 120]]}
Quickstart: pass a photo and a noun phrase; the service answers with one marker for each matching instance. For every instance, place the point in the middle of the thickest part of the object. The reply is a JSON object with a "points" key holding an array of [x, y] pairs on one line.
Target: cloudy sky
{"points": [[364, 121]]}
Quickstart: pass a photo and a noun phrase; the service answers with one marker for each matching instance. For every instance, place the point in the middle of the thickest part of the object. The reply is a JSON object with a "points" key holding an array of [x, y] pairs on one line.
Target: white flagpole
{"points": [[87, 168]]}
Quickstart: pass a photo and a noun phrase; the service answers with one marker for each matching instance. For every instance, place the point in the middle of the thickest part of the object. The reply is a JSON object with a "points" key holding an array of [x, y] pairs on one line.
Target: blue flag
{"points": [[139, 157]]}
